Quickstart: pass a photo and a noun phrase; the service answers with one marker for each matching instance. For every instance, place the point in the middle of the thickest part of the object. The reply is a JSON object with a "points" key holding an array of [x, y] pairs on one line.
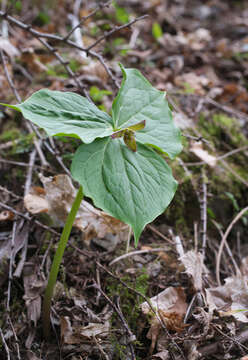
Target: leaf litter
{"points": [[56, 199]]}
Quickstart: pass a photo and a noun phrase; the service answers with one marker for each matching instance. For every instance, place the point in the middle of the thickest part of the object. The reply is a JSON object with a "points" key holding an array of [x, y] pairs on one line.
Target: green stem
{"points": [[57, 261]]}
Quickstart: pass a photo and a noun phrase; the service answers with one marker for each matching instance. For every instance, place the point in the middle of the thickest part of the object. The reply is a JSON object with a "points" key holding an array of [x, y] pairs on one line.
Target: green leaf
{"points": [[133, 187], [66, 113], [136, 101], [157, 31], [121, 14]]}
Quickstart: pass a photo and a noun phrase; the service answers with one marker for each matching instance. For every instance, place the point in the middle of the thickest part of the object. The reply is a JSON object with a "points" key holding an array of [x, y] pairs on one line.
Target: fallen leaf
{"points": [[8, 48], [56, 199], [230, 299], [195, 82], [197, 149], [79, 334], [33, 286], [170, 305], [162, 355], [194, 266]]}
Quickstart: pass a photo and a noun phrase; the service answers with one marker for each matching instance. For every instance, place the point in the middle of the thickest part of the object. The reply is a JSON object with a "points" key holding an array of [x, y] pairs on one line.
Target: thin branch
{"points": [[5, 344], [28, 218], [11, 264], [203, 207], [30, 171], [221, 157], [115, 29], [85, 18], [223, 241], [18, 98], [133, 253]]}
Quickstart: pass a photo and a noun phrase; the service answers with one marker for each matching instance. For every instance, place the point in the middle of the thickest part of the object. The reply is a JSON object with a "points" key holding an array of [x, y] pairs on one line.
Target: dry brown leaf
{"points": [[32, 61], [231, 298], [33, 286], [95, 69], [194, 266], [194, 81], [170, 305], [197, 149], [79, 334], [196, 40], [35, 202], [162, 355], [56, 199]]}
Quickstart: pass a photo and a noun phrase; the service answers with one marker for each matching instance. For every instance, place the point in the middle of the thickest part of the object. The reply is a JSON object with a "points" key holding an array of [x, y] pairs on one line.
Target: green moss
{"points": [[222, 130], [129, 300], [130, 305], [11, 134]]}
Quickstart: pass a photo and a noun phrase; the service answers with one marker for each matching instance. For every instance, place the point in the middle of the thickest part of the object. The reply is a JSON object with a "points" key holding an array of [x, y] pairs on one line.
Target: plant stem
{"points": [[57, 261]]}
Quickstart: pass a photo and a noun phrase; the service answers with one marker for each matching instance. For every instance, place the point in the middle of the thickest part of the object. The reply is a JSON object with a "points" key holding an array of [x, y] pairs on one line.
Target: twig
{"points": [[230, 153], [227, 247], [41, 36], [234, 173], [5, 344], [30, 172], [133, 253], [11, 264], [18, 163], [130, 231], [131, 337], [9, 144], [18, 98], [115, 29], [4, 22], [203, 207], [10, 193], [85, 18], [16, 339], [226, 109], [28, 218], [157, 232], [223, 241], [100, 348]]}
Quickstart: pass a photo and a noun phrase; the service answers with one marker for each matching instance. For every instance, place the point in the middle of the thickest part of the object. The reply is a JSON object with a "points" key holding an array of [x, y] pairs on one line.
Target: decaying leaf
{"points": [[8, 48], [162, 355], [9, 250], [194, 266], [34, 286], [231, 298], [79, 334], [195, 83], [197, 149], [170, 305], [56, 199]]}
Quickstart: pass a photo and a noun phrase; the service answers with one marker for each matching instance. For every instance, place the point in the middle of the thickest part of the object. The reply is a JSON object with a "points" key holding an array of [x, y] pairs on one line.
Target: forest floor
{"points": [[192, 261]]}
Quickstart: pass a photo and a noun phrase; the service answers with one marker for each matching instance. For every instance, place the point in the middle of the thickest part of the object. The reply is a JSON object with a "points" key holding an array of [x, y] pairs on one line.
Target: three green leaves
{"points": [[119, 163]]}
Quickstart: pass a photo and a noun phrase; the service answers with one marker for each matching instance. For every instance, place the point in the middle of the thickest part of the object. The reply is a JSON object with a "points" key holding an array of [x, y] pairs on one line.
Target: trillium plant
{"points": [[121, 163]]}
